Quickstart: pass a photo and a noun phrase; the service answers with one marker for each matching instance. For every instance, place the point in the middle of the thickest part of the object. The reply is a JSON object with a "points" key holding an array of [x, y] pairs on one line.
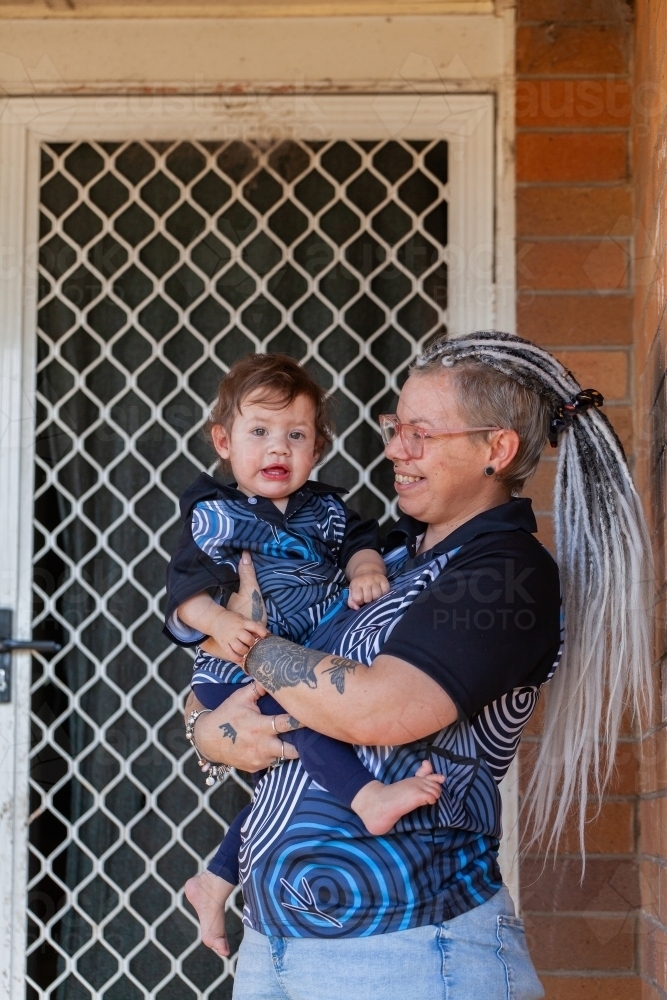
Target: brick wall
{"points": [[649, 144], [574, 232]]}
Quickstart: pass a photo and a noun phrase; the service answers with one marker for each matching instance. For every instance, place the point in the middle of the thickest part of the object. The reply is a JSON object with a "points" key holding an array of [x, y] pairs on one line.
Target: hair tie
{"points": [[566, 412]]}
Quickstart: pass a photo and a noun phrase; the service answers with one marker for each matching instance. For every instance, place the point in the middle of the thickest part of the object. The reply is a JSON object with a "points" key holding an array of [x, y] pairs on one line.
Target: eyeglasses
{"points": [[412, 437]]}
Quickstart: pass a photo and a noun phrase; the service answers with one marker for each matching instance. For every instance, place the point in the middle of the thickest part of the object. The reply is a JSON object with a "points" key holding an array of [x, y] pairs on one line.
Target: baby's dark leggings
{"points": [[329, 762]]}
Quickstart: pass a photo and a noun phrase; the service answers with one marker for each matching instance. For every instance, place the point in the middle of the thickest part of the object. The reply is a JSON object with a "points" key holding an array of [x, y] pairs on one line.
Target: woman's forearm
{"points": [[389, 703]]}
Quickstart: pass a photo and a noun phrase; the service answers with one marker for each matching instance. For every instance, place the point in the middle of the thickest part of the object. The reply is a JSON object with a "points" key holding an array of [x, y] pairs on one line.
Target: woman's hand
{"points": [[249, 604], [238, 734]]}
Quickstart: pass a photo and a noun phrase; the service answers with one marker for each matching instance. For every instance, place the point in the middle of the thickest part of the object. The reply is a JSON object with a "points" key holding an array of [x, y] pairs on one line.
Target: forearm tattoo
{"points": [[339, 670], [278, 663], [257, 612], [228, 730]]}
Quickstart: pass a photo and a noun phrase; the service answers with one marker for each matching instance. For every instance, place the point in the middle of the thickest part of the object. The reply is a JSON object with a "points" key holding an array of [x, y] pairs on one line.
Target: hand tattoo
{"points": [[293, 723], [278, 663], [228, 730], [337, 672], [257, 612]]}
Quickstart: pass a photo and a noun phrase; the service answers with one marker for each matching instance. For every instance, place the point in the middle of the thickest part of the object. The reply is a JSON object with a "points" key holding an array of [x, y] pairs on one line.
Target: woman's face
{"points": [[448, 482]]}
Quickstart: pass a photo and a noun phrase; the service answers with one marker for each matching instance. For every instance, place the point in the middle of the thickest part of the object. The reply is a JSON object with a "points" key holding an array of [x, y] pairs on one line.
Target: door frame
{"points": [[481, 174]]}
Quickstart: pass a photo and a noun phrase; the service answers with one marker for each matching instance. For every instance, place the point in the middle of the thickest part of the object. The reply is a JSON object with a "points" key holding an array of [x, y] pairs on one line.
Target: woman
{"points": [[447, 667]]}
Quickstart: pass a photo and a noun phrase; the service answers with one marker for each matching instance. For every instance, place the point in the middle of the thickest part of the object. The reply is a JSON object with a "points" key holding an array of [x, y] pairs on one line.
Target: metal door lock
{"points": [[9, 646]]}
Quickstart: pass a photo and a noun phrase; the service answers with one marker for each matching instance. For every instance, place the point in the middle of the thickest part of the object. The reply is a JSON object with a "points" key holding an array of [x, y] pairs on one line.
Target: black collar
{"points": [[516, 515], [206, 487]]}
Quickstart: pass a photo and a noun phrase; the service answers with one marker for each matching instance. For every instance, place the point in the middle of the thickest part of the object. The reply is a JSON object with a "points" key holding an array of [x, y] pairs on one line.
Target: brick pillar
{"points": [[574, 231], [650, 141]]}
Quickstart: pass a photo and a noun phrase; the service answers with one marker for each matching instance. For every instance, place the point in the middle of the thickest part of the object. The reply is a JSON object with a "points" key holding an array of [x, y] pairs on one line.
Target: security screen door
{"points": [[162, 261]]}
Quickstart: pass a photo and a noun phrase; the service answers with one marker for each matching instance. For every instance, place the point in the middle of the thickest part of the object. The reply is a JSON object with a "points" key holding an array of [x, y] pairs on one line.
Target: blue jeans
{"points": [[480, 955]]}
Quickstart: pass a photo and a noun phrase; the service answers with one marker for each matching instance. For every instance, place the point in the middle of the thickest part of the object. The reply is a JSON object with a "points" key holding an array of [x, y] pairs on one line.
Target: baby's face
{"points": [[271, 450]]}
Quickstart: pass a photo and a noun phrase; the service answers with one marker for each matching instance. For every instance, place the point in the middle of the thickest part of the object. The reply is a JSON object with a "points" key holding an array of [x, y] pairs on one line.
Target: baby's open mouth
{"points": [[277, 472]]}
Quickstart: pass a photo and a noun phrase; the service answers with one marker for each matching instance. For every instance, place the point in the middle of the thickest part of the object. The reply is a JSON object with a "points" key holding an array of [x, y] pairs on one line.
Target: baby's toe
{"points": [[425, 768]]}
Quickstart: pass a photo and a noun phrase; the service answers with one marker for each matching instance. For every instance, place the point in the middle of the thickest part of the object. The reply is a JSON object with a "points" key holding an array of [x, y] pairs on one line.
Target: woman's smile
{"points": [[402, 479]]}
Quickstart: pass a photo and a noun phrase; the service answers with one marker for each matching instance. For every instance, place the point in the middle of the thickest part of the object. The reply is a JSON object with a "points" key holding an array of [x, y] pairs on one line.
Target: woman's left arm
{"points": [[487, 627], [389, 703]]}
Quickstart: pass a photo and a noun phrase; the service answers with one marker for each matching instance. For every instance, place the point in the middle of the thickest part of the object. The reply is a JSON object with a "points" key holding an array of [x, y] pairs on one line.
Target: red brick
{"points": [[591, 987], [653, 775], [606, 371], [610, 832], [625, 779], [621, 419], [649, 992], [653, 950], [653, 826], [574, 10], [575, 319], [571, 156], [550, 49], [556, 265], [577, 943], [608, 885], [586, 211], [653, 881], [566, 103]]}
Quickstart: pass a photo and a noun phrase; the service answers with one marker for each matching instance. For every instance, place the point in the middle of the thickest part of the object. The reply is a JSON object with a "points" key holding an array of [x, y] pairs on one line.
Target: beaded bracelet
{"points": [[216, 772]]}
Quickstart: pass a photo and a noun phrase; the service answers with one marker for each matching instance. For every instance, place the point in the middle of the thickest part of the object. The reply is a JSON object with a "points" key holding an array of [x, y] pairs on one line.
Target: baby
{"points": [[269, 424]]}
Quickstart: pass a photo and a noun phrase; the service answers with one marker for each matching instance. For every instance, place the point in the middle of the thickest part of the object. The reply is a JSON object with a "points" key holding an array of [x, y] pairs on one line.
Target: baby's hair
{"points": [[275, 380]]}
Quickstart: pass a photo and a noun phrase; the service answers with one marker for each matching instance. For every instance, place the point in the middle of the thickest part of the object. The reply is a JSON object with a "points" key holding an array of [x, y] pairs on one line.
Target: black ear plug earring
{"points": [[489, 470]]}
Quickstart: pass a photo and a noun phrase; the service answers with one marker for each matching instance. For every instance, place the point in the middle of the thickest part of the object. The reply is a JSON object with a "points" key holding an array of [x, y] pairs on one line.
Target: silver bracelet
{"points": [[216, 772]]}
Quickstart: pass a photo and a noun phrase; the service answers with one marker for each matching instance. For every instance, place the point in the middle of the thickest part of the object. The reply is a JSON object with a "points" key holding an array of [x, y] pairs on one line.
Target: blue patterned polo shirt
{"points": [[480, 613]]}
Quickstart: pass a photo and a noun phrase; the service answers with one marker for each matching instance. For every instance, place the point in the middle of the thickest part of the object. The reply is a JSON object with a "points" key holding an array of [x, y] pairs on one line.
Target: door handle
{"points": [[9, 646], [37, 645]]}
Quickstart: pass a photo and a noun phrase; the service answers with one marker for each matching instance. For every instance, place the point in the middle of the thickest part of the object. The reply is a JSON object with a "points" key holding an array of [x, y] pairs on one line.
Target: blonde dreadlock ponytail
{"points": [[604, 556]]}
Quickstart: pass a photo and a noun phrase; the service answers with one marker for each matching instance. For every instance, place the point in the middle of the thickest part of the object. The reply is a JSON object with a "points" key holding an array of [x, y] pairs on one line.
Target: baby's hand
{"points": [[367, 587], [234, 635]]}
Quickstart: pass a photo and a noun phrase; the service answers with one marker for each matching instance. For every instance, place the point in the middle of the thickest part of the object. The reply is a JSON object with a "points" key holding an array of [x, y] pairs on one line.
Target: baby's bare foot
{"points": [[208, 894], [381, 806]]}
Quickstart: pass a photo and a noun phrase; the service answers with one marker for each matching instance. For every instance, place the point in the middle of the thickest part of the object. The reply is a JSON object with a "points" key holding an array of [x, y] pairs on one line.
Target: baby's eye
{"points": [[297, 436], [259, 431]]}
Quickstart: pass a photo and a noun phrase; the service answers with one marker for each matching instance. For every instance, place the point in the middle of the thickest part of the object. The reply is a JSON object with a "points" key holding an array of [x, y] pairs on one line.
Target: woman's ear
{"points": [[503, 447], [220, 440]]}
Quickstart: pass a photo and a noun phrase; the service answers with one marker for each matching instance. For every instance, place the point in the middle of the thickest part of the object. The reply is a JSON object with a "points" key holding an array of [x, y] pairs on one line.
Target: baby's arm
{"points": [[233, 633], [368, 577]]}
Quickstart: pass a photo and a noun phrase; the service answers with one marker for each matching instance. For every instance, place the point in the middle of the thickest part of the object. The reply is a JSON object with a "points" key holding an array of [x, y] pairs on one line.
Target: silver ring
{"points": [[277, 761], [273, 724]]}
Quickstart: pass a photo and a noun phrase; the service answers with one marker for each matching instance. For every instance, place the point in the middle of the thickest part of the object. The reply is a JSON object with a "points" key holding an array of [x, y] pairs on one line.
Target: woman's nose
{"points": [[395, 450]]}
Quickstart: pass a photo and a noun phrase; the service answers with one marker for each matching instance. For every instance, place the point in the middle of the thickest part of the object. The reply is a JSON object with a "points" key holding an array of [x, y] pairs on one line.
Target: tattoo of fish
{"points": [[278, 663]]}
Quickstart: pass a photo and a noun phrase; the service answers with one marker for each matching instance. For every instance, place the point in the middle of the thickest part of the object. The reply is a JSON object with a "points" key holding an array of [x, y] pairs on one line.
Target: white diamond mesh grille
{"points": [[160, 264]]}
